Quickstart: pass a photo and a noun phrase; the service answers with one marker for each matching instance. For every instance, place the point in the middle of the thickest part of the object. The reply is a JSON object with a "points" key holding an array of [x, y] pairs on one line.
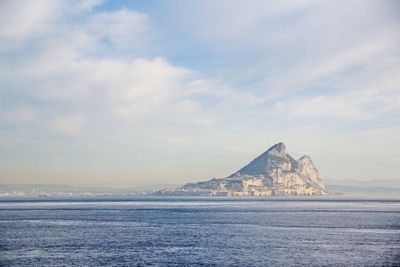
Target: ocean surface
{"points": [[200, 231]]}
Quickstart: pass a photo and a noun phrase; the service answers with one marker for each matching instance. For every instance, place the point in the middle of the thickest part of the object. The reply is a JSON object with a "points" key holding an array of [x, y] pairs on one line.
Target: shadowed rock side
{"points": [[274, 172]]}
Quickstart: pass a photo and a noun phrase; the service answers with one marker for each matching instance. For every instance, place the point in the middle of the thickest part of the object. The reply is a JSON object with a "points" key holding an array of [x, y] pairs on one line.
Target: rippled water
{"points": [[170, 231]]}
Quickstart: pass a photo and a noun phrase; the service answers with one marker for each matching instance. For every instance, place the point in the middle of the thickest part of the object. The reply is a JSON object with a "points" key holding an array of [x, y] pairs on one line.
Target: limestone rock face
{"points": [[274, 172], [309, 173]]}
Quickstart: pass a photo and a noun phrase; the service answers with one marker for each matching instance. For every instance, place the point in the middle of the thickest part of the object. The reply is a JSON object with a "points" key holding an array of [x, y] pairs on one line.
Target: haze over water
{"points": [[168, 231]]}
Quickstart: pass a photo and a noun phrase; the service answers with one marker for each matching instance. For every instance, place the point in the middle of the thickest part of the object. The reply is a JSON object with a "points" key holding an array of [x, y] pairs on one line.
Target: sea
{"points": [[199, 231]]}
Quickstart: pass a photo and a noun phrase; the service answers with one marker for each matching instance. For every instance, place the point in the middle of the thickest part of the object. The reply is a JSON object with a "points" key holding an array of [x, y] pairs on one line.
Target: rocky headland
{"points": [[274, 172]]}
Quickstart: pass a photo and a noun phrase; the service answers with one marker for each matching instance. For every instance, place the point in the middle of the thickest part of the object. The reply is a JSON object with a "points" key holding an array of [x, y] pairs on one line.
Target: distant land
{"points": [[274, 172], [10, 190], [333, 187], [369, 187]]}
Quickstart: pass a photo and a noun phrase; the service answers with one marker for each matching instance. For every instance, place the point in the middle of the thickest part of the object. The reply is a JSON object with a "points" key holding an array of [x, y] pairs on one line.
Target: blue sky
{"points": [[126, 93]]}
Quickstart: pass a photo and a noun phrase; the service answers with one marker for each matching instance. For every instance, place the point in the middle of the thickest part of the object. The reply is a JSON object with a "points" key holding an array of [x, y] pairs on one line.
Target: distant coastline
{"points": [[334, 188]]}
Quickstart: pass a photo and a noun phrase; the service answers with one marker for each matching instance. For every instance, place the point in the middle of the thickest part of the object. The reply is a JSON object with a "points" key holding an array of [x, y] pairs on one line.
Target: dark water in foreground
{"points": [[170, 231]]}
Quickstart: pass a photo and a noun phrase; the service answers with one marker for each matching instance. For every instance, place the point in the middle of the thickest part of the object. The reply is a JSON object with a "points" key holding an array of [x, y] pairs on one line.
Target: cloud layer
{"points": [[156, 95]]}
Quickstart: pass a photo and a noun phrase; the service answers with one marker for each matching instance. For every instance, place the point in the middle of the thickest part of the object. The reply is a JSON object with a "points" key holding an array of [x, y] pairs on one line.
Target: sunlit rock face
{"points": [[309, 173], [274, 172]]}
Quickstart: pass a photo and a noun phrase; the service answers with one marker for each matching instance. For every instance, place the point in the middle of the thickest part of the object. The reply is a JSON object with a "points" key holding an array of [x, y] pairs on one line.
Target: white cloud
{"points": [[323, 107], [86, 4], [60, 74], [288, 46], [21, 20], [77, 72], [364, 84], [123, 28]]}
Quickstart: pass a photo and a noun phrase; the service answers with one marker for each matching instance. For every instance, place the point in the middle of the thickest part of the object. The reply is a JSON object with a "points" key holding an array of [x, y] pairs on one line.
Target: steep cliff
{"points": [[274, 172]]}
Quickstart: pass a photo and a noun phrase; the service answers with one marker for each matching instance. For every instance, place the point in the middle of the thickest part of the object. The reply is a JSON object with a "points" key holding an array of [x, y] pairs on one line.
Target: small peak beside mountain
{"points": [[305, 158], [305, 162]]}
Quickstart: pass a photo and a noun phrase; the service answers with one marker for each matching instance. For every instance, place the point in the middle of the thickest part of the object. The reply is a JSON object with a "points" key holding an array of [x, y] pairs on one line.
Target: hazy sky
{"points": [[125, 93]]}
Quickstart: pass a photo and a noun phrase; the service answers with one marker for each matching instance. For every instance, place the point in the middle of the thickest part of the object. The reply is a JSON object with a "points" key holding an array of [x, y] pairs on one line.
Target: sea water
{"points": [[199, 231]]}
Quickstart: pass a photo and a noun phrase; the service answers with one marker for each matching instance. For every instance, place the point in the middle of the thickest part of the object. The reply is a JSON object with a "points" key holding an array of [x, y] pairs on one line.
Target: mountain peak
{"points": [[274, 172], [278, 147], [278, 150], [262, 164]]}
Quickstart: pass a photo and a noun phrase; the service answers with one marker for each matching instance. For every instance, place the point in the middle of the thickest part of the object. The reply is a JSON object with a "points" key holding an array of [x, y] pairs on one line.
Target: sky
{"points": [[133, 93]]}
